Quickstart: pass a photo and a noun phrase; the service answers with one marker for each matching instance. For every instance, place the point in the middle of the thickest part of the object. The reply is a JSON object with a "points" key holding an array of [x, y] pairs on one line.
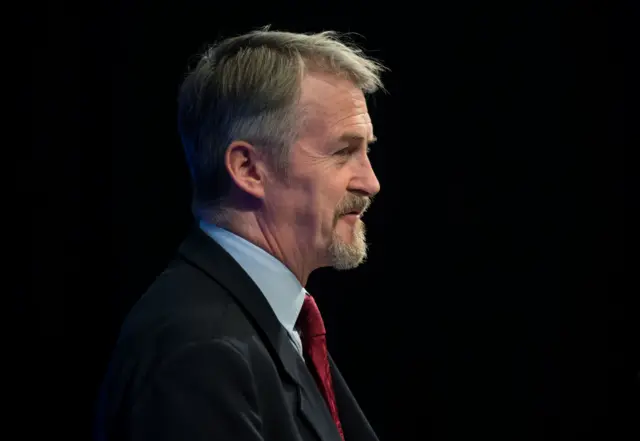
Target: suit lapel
{"points": [[355, 425], [203, 252], [313, 407]]}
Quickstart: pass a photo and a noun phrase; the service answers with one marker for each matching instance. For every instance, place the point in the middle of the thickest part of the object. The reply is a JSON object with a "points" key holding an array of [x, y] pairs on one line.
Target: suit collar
{"points": [[203, 252]]}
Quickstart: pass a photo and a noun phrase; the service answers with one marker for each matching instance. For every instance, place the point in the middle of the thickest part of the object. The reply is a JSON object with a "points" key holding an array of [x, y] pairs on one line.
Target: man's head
{"points": [[276, 131]]}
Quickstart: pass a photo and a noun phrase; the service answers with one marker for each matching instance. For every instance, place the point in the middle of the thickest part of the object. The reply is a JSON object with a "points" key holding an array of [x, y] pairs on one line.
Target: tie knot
{"points": [[310, 321]]}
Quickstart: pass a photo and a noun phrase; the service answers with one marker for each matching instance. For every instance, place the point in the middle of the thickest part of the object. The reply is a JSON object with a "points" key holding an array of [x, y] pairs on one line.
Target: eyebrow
{"points": [[355, 137]]}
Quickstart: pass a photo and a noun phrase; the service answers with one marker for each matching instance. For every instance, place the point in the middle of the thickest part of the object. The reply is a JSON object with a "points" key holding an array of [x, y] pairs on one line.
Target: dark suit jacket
{"points": [[202, 357]]}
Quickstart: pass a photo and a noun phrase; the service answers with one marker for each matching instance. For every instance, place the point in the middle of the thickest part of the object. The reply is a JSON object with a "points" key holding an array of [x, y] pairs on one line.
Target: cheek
{"points": [[307, 203], [316, 208], [332, 201], [317, 198]]}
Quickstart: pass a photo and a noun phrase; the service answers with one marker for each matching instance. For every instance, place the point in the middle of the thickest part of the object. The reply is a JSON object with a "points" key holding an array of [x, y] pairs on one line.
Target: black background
{"points": [[495, 302]]}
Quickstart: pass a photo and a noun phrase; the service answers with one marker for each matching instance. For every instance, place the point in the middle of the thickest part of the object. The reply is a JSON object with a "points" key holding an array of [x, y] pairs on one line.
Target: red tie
{"points": [[314, 343]]}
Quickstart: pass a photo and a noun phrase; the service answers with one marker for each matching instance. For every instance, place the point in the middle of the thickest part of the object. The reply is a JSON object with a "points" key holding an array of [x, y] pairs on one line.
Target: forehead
{"points": [[334, 106]]}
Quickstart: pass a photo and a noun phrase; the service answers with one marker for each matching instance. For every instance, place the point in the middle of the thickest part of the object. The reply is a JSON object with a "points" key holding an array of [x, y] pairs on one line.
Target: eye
{"points": [[344, 152]]}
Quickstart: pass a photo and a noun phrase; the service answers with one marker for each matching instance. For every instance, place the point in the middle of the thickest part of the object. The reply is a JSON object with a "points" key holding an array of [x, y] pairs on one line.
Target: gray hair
{"points": [[247, 88]]}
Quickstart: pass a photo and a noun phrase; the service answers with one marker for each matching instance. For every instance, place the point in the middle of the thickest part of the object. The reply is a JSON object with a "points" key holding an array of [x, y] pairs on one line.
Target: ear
{"points": [[244, 164]]}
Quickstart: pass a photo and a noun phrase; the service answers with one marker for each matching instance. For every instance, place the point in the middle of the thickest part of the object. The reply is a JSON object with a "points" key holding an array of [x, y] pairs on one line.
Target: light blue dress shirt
{"points": [[280, 287]]}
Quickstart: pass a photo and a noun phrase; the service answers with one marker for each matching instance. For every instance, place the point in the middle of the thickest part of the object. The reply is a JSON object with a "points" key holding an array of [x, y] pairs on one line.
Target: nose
{"points": [[366, 180]]}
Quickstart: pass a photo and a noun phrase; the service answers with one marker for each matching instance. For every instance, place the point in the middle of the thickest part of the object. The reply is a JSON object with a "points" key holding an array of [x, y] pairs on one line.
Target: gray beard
{"points": [[345, 256]]}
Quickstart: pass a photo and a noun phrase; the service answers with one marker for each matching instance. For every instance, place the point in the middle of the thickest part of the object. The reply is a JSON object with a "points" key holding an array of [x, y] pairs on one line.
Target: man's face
{"points": [[330, 181]]}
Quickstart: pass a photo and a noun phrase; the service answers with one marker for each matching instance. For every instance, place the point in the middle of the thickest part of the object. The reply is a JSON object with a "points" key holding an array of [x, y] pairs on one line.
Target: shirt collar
{"points": [[279, 285]]}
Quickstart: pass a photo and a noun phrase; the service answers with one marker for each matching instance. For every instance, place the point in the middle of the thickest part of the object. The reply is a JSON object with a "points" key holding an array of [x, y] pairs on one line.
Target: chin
{"points": [[348, 250]]}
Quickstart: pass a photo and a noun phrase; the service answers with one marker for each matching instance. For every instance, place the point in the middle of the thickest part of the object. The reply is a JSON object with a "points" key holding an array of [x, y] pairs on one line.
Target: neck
{"points": [[254, 228]]}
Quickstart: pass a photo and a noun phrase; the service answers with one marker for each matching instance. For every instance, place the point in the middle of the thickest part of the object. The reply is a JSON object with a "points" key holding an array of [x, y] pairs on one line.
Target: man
{"points": [[227, 344]]}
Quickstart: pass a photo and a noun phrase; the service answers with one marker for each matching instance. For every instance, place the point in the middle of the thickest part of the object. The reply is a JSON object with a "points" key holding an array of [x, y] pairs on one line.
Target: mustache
{"points": [[354, 203]]}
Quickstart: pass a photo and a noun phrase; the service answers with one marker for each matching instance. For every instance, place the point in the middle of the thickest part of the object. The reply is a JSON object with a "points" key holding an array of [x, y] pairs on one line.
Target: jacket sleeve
{"points": [[204, 392]]}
